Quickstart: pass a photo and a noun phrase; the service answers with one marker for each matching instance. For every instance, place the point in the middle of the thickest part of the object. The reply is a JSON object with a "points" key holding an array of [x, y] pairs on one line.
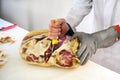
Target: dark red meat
{"points": [[49, 51], [65, 58]]}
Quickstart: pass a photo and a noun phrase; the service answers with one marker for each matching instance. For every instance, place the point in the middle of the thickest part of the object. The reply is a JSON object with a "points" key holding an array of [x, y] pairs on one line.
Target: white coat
{"points": [[106, 14]]}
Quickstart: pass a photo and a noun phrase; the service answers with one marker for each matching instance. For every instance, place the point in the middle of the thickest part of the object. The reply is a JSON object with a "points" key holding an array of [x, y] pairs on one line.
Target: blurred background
{"points": [[33, 14]]}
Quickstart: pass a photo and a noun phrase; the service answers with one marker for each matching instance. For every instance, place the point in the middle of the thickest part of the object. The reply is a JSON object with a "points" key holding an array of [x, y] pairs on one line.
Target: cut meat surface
{"points": [[65, 58], [48, 53], [36, 48], [60, 42]]}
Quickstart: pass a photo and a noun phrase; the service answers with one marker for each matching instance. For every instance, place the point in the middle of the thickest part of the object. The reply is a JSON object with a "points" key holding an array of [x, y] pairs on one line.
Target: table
{"points": [[17, 69]]}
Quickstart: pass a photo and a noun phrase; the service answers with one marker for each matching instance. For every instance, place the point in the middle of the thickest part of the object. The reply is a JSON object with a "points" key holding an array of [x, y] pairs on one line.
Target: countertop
{"points": [[17, 69]]}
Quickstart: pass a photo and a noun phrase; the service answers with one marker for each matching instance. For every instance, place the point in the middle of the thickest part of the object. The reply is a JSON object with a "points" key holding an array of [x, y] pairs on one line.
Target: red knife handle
{"points": [[9, 27]]}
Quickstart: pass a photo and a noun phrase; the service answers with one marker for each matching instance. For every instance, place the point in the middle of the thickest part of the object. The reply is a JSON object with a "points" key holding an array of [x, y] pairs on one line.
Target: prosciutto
{"points": [[65, 58], [49, 52]]}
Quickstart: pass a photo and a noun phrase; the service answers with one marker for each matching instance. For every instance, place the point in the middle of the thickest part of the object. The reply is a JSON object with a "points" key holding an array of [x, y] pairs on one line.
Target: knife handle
{"points": [[54, 41], [9, 27]]}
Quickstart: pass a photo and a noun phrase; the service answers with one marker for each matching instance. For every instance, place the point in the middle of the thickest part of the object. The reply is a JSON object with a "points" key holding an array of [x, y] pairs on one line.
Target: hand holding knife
{"points": [[54, 41]]}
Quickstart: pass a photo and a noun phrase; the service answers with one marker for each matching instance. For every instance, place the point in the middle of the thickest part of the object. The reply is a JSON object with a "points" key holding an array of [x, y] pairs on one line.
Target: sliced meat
{"points": [[60, 42], [65, 58], [48, 54], [31, 58], [49, 51], [24, 50]]}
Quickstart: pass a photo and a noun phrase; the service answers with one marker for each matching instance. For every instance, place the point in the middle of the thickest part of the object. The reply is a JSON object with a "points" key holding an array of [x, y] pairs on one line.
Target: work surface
{"points": [[17, 69]]}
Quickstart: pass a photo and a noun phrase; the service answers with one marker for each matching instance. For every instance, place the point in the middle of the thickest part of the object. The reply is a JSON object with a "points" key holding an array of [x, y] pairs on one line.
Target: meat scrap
{"points": [[3, 58], [6, 39]]}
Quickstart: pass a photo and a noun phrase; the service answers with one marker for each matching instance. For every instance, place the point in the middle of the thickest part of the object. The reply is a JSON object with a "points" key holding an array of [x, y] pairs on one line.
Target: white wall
{"points": [[34, 14]]}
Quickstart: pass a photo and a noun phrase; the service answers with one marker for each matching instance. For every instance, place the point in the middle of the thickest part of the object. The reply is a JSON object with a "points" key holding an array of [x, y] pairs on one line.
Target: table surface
{"points": [[17, 69]]}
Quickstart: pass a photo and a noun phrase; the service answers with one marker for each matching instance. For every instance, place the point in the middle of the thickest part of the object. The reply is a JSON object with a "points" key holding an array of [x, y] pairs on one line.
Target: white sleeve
{"points": [[79, 10]]}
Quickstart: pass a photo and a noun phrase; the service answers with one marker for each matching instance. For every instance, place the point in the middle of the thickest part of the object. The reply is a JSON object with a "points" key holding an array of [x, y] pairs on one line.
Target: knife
{"points": [[8, 27], [54, 41]]}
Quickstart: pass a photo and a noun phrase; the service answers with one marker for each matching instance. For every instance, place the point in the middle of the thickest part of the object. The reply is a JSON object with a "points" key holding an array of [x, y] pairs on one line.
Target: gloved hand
{"points": [[89, 43], [57, 28]]}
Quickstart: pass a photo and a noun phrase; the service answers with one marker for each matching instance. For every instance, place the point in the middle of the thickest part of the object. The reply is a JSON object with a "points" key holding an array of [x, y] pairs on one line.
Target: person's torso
{"points": [[106, 13]]}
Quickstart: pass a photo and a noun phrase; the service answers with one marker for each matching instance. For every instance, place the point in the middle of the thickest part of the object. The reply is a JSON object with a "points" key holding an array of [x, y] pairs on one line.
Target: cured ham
{"points": [[36, 48]]}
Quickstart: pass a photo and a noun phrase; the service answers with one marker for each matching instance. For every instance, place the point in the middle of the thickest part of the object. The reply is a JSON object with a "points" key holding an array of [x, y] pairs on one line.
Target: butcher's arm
{"points": [[79, 10], [63, 26]]}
